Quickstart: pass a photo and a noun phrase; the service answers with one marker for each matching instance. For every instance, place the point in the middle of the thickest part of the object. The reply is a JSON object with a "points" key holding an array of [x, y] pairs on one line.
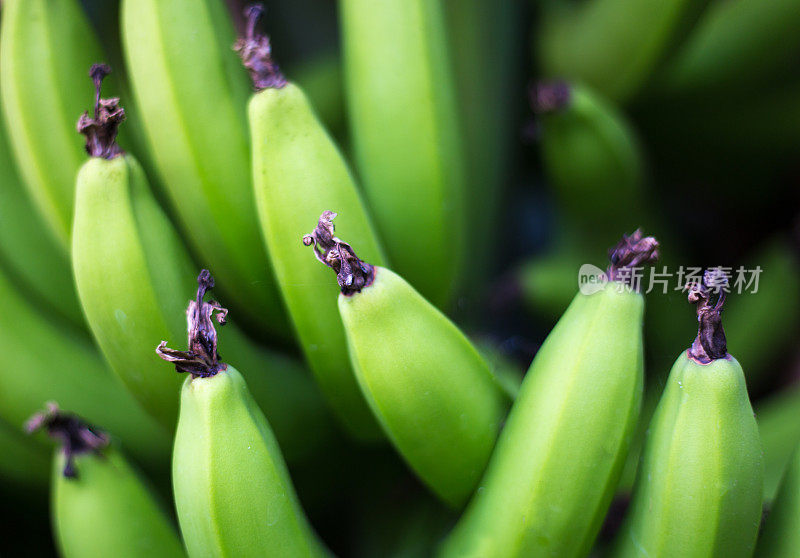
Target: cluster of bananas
{"points": [[194, 165]]}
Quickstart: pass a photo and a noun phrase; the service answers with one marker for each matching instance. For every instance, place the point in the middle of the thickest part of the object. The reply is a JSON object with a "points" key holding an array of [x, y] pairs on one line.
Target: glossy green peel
{"points": [[432, 392], [298, 172], [552, 475]]}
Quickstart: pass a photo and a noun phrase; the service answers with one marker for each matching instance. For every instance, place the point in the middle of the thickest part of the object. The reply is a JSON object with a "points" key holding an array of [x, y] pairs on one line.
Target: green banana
{"points": [[100, 505], [131, 270], [47, 360], [45, 48], [558, 459], [23, 462], [297, 173], [485, 39], [434, 395], [36, 258], [403, 117], [591, 155], [699, 486], [191, 94], [232, 490], [781, 535], [736, 45], [613, 46]]}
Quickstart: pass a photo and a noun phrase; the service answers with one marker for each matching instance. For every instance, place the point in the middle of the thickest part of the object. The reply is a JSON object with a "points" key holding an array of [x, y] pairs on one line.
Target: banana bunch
{"points": [[385, 412]]}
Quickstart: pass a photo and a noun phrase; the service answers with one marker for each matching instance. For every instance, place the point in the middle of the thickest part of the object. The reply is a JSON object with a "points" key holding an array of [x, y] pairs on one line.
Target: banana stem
{"points": [[101, 130], [710, 343], [633, 251], [550, 96], [74, 435], [256, 53], [351, 273], [201, 360]]}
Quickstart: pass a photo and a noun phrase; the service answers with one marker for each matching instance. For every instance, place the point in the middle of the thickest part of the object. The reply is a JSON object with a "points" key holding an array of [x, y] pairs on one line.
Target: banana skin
{"points": [[558, 459], [699, 486], [434, 395], [232, 489], [101, 506]]}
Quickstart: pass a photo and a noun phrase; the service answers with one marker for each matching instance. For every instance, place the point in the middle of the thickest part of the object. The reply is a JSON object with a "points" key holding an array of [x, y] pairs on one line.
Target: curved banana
{"points": [[22, 462], [297, 173], [434, 395], [41, 264], [132, 272], [486, 40], [47, 360], [780, 537], [232, 490], [613, 46], [403, 117], [45, 48], [191, 93], [558, 459], [100, 505], [699, 486], [591, 155]]}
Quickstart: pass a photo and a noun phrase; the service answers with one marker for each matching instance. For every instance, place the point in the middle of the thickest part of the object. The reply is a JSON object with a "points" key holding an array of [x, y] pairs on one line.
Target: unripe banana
{"points": [[232, 490], [36, 258], [612, 45], [45, 48], [403, 116], [485, 39], [191, 93], [430, 389], [45, 359], [558, 459], [781, 535], [100, 504], [736, 45], [590, 153], [132, 270], [22, 462], [297, 173], [699, 485]]}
